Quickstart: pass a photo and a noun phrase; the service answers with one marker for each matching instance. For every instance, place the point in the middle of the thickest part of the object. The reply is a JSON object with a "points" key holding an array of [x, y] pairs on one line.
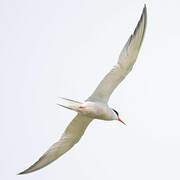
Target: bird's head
{"points": [[117, 115]]}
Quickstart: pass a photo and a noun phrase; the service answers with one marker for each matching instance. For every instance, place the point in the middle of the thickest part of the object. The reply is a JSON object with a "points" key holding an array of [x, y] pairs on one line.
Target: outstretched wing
{"points": [[124, 65], [71, 136]]}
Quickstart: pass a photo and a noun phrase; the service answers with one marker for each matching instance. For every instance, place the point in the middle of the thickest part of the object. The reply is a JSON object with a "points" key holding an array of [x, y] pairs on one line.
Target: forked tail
{"points": [[69, 104]]}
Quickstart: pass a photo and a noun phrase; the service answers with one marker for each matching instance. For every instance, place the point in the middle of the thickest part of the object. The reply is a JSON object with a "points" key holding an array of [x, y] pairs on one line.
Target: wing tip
{"points": [[145, 10], [144, 5], [33, 167], [23, 172], [142, 22], [29, 170], [144, 14]]}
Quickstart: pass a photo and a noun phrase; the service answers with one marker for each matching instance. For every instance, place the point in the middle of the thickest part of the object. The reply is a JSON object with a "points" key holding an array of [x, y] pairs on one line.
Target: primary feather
{"points": [[124, 65], [71, 136]]}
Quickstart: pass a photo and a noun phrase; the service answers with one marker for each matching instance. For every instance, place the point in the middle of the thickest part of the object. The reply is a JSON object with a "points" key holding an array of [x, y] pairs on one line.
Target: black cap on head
{"points": [[116, 112]]}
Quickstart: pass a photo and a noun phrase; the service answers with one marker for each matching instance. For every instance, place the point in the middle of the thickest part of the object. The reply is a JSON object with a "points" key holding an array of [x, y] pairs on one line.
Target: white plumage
{"points": [[95, 107]]}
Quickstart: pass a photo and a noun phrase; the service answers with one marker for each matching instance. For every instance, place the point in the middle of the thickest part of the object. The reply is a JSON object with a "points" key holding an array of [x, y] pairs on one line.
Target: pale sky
{"points": [[64, 48]]}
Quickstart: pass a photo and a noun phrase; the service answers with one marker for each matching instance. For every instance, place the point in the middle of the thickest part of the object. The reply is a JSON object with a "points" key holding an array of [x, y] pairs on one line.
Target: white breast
{"points": [[97, 110]]}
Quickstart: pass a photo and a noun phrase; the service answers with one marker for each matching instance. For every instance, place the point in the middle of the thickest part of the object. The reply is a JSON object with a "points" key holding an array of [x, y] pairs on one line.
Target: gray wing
{"points": [[124, 65], [71, 136]]}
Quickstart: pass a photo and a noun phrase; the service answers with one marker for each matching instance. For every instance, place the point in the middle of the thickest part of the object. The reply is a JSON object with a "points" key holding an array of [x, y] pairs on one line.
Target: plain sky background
{"points": [[64, 48]]}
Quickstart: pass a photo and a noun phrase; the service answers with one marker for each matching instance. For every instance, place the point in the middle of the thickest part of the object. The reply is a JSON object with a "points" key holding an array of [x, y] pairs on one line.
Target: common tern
{"points": [[96, 106]]}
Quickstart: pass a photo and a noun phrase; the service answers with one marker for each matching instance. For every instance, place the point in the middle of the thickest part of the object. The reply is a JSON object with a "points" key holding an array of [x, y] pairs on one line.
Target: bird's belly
{"points": [[96, 111]]}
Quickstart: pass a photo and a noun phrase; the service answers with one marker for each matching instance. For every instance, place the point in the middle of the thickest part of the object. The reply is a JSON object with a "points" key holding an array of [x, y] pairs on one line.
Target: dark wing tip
{"points": [[26, 171], [143, 19], [145, 11], [144, 15], [33, 167], [29, 170], [23, 172], [20, 173]]}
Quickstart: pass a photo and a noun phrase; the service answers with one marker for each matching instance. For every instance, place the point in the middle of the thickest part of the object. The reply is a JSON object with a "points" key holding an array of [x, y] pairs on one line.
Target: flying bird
{"points": [[96, 106]]}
